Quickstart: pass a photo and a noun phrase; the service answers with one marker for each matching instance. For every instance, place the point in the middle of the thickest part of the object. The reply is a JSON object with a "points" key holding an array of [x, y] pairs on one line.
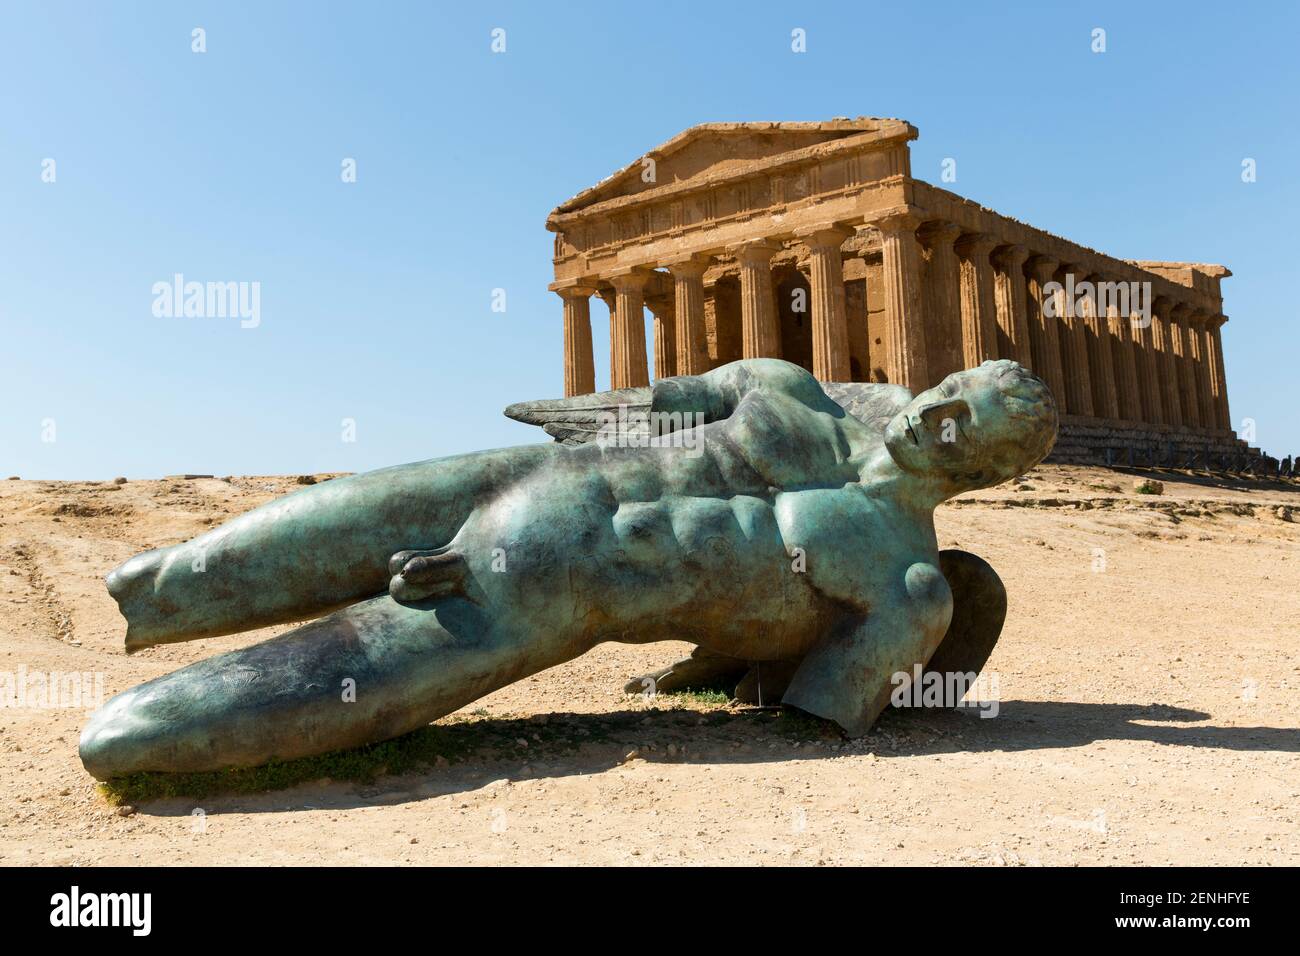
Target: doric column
{"points": [[942, 309], [1124, 359], [1183, 362], [1202, 367], [905, 357], [979, 324], [610, 298], [579, 364], [759, 332], [1044, 330], [628, 367], [688, 296], [1074, 347], [1147, 365], [830, 329], [1101, 360], [1162, 337], [665, 334], [1219, 380], [1012, 308]]}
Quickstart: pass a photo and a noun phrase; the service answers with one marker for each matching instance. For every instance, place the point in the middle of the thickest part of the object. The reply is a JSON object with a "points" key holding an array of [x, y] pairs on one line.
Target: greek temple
{"points": [[813, 242]]}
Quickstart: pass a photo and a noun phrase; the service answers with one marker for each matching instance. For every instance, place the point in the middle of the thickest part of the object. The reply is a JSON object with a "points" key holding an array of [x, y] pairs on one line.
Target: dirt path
{"points": [[1147, 676]]}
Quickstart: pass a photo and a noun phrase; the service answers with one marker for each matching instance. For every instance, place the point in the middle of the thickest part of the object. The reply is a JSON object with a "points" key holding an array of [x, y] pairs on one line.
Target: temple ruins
{"points": [[812, 242]]}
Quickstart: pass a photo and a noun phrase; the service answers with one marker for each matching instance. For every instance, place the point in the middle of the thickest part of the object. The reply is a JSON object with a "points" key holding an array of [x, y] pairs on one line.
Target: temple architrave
{"points": [[812, 242]]}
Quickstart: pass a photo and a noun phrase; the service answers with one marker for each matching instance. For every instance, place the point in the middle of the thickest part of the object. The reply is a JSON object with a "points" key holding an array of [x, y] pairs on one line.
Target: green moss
{"points": [[453, 741], [479, 736]]}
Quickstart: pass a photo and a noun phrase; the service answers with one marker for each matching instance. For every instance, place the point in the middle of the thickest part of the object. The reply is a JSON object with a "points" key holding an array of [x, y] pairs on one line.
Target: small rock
{"points": [[126, 810], [305, 480]]}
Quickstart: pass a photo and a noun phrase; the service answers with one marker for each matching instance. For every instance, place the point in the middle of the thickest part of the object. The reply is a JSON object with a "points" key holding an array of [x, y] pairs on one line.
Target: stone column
{"points": [[979, 325], [579, 364], [1044, 329], [1214, 349], [688, 296], [760, 334], [905, 356], [1202, 367], [1074, 350], [943, 305], [665, 334], [628, 367], [1101, 360], [1124, 359], [1147, 366], [830, 329], [1012, 307], [610, 298], [1183, 362], [1162, 337]]}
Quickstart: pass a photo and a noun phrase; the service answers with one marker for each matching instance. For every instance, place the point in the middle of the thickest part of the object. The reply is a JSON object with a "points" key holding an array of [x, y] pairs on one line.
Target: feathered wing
{"points": [[577, 420], [871, 403]]}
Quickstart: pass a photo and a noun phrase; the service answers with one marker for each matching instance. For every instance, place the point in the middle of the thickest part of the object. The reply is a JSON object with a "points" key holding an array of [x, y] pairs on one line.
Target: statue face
{"points": [[961, 431]]}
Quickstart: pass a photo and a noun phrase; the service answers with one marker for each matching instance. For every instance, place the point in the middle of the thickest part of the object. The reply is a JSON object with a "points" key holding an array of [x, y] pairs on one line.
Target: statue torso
{"points": [[754, 544]]}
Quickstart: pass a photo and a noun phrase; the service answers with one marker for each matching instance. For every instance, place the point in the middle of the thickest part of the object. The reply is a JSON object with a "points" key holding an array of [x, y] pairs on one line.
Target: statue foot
{"points": [[421, 575], [703, 670]]}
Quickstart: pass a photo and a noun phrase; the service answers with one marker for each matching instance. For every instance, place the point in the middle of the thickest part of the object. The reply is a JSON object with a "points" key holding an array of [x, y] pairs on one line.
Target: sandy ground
{"points": [[1147, 677]]}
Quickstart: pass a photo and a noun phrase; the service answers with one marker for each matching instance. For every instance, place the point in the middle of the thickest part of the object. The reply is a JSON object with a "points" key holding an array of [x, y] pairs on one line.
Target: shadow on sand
{"points": [[465, 756]]}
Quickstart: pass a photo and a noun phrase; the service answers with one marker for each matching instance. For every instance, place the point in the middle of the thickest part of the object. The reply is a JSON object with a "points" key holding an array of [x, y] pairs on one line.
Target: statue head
{"points": [[976, 428]]}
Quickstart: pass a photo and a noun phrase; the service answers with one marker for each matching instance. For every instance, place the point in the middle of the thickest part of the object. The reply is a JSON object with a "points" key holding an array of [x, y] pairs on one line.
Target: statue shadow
{"points": [[491, 751]]}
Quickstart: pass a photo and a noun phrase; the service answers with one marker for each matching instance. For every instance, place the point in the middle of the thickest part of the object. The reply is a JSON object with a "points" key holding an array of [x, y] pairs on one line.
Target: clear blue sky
{"points": [[375, 296]]}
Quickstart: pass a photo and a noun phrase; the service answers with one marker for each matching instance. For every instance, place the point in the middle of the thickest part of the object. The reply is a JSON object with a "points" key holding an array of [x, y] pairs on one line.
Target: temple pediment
{"points": [[717, 150]]}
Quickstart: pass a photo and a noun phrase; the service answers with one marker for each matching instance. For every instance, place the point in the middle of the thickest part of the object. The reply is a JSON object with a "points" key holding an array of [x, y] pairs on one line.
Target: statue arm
{"points": [[715, 394], [848, 676], [719, 392]]}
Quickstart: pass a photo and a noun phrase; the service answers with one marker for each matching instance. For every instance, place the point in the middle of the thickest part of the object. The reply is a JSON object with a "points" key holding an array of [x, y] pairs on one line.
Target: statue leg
{"points": [[367, 673], [308, 553]]}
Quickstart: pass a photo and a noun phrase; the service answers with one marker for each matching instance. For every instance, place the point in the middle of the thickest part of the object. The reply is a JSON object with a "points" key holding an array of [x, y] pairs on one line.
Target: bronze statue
{"points": [[789, 531]]}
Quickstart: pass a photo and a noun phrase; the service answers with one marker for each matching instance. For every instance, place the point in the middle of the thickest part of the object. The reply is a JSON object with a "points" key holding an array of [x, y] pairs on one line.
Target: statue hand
{"points": [[420, 575]]}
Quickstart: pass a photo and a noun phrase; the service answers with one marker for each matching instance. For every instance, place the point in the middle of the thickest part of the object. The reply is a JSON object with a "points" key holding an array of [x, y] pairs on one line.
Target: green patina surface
{"points": [[793, 530]]}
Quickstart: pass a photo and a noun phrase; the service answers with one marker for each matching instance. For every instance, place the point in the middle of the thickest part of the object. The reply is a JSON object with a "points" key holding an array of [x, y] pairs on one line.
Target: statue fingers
{"points": [[421, 575]]}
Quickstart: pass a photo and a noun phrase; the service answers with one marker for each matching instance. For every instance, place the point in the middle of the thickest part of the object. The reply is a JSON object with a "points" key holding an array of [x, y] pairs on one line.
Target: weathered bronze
{"points": [[790, 531]]}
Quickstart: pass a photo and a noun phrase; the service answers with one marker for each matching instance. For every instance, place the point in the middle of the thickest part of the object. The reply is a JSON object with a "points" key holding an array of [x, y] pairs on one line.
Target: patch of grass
{"points": [[801, 725], [702, 696], [464, 737], [452, 741]]}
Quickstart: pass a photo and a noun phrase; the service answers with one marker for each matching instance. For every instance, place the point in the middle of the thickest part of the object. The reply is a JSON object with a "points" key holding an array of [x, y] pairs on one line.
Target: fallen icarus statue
{"points": [[786, 528]]}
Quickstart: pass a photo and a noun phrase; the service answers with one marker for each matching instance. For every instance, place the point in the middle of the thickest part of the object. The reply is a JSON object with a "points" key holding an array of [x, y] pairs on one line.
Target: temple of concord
{"points": [[812, 242]]}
